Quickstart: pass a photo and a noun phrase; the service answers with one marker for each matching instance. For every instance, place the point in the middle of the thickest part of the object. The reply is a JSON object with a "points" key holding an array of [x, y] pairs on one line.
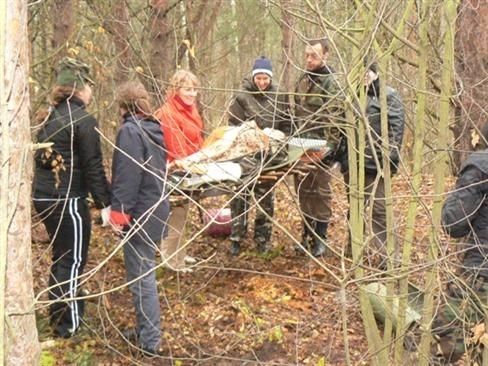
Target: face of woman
{"points": [[262, 81], [188, 93]]}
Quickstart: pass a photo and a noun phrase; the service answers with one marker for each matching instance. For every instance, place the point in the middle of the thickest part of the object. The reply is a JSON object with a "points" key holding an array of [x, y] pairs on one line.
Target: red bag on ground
{"points": [[219, 221]]}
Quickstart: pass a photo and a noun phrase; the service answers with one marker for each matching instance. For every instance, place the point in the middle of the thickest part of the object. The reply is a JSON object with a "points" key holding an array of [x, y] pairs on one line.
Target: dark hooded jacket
{"points": [[465, 212], [396, 123], [138, 175], [72, 130], [269, 108]]}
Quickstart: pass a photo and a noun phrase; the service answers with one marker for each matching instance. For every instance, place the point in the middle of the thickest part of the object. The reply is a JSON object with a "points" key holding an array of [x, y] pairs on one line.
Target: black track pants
{"points": [[69, 227]]}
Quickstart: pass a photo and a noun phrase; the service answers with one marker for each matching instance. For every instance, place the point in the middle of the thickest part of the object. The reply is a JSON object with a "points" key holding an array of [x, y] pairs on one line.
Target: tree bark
{"points": [[287, 46], [63, 27], [162, 54], [18, 335], [119, 26]]}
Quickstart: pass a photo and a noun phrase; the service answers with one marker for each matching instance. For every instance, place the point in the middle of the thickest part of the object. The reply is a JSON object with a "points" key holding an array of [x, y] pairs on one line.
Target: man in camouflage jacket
{"points": [[319, 112]]}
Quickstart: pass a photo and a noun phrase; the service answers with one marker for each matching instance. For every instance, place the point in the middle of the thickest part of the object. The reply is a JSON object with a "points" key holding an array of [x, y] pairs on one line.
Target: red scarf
{"points": [[182, 127]]}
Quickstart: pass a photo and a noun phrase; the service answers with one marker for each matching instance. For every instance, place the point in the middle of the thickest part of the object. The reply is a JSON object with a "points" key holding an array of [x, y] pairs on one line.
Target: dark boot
{"points": [[306, 238], [318, 246], [235, 248], [262, 245]]}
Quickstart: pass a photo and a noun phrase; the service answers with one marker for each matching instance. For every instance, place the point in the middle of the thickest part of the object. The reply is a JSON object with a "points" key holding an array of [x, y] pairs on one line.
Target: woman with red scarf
{"points": [[182, 127]]}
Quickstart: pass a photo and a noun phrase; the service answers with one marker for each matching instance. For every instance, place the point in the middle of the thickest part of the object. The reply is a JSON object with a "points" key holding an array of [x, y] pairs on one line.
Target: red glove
{"points": [[119, 218]]}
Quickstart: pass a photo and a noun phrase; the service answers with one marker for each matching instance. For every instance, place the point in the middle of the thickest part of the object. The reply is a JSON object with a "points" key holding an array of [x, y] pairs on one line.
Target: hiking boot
{"points": [[62, 333], [319, 248], [306, 237], [235, 248], [262, 246]]}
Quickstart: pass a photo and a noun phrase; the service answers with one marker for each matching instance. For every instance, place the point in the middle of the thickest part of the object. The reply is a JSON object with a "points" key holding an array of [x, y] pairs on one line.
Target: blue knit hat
{"points": [[262, 65]]}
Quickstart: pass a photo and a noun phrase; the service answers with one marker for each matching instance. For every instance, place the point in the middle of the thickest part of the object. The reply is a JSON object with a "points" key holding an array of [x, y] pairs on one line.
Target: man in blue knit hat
{"points": [[258, 100]]}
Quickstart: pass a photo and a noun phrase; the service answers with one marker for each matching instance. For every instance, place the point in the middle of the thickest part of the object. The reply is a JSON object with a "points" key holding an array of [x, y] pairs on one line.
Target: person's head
{"points": [[185, 85], [371, 73], [316, 54], [262, 73], [73, 78], [133, 97]]}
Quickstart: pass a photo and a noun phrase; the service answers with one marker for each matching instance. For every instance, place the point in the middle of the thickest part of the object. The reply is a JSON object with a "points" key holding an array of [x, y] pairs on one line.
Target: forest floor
{"points": [[278, 309]]}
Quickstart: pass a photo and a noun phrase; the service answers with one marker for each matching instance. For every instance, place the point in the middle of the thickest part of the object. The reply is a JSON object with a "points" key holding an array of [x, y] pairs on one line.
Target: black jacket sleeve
{"points": [[284, 114], [237, 113], [127, 170], [461, 206], [396, 124], [90, 154]]}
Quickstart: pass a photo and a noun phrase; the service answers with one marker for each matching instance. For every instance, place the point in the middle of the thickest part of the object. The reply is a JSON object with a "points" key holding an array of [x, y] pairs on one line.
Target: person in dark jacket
{"points": [[464, 216], [261, 101], [465, 212], [319, 112], [64, 175], [140, 207], [374, 184]]}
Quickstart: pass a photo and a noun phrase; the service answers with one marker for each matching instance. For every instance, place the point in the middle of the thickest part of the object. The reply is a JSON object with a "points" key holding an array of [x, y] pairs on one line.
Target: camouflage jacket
{"points": [[269, 108], [319, 105]]}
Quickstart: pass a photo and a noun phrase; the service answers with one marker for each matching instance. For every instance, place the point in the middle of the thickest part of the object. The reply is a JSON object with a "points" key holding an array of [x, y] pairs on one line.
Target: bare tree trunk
{"points": [[162, 56], [18, 335], [439, 174], [119, 28], [237, 45], [472, 52], [63, 26], [286, 45]]}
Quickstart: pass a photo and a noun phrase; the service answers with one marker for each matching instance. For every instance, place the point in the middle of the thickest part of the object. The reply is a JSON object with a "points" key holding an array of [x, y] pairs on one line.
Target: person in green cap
{"points": [[64, 175]]}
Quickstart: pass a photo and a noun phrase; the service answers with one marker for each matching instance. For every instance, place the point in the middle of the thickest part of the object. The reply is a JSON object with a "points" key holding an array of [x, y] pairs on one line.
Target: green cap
{"points": [[72, 72]]}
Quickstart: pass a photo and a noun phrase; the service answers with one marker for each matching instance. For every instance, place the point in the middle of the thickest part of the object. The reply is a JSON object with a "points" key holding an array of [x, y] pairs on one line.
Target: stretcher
{"points": [[224, 165]]}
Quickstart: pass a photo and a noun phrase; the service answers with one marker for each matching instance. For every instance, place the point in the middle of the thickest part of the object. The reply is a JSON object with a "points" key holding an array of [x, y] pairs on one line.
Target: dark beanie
{"points": [[72, 72], [262, 65]]}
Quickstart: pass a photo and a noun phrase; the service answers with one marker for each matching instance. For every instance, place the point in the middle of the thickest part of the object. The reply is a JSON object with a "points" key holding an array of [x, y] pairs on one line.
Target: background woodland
{"points": [[274, 310]]}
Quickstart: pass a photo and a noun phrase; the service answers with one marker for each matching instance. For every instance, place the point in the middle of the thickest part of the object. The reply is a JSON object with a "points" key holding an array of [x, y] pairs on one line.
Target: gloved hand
{"points": [[118, 220], [105, 215]]}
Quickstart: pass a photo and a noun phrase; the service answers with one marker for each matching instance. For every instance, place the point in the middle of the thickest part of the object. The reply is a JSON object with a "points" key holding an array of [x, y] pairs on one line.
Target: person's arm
{"points": [[126, 174], [461, 206], [283, 114], [237, 113], [91, 164], [334, 108], [396, 124]]}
